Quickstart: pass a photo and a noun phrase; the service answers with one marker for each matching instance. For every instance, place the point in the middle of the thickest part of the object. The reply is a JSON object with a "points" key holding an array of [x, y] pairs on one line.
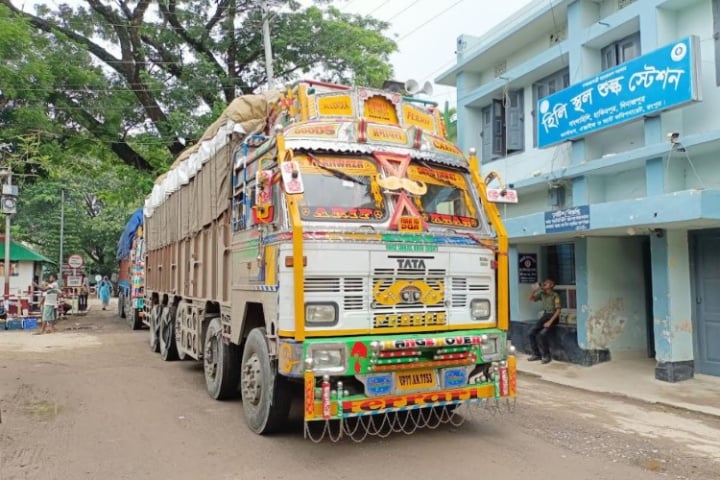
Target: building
{"points": [[601, 114], [25, 265]]}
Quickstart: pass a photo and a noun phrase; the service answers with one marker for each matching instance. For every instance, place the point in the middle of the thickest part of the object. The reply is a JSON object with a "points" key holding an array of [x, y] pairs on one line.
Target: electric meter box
{"points": [[11, 190]]}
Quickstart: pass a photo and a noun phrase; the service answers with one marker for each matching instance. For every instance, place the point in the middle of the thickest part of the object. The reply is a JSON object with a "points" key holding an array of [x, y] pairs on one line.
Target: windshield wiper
{"points": [[335, 172]]}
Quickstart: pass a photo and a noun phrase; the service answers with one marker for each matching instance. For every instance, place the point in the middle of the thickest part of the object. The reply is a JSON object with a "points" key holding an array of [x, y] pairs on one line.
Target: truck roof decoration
{"points": [[320, 116]]}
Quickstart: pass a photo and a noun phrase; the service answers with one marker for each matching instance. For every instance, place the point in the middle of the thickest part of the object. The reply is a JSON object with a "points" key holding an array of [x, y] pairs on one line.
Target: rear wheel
{"points": [[265, 394], [154, 327], [168, 349], [121, 304], [179, 343], [221, 363], [133, 314]]}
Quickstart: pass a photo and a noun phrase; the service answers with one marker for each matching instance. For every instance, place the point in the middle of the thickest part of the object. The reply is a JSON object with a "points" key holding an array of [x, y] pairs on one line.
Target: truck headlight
{"points": [[321, 314], [328, 358], [480, 309], [489, 347]]}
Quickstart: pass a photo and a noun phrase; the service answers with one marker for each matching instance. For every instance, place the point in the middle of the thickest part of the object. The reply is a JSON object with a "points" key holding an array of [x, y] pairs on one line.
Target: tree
{"points": [[144, 79], [450, 116], [95, 195]]}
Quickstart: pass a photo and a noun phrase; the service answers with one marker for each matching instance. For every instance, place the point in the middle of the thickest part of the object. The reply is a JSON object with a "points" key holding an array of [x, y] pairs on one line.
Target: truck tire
{"points": [[180, 347], [135, 319], [265, 394], [168, 349], [155, 314], [221, 363], [121, 304]]}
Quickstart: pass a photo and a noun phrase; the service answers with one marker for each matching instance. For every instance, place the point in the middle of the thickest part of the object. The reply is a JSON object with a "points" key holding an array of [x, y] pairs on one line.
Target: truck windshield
{"points": [[447, 201], [340, 189], [351, 189]]}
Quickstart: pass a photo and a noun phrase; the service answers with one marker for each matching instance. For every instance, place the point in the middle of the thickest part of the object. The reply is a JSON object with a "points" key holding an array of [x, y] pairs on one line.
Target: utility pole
{"points": [[62, 233], [8, 177], [8, 206], [268, 47]]}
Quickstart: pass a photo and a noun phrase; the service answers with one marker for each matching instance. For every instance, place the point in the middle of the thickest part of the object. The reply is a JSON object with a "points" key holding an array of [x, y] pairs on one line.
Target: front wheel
{"points": [[265, 394], [220, 361]]}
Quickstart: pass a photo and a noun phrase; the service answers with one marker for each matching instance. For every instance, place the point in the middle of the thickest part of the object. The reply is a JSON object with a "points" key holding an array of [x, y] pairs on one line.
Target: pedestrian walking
{"points": [[104, 289]]}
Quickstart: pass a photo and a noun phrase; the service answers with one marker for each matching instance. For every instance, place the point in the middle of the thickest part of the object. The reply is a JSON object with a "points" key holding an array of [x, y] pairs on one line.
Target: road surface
{"points": [[92, 402]]}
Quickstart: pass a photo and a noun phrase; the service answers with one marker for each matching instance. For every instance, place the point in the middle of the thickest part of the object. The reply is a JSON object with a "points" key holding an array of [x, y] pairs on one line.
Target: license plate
{"points": [[415, 379]]}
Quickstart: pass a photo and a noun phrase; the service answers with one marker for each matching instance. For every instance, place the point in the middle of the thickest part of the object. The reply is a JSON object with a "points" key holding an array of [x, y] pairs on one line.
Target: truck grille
{"points": [[357, 293], [462, 288], [351, 288]]}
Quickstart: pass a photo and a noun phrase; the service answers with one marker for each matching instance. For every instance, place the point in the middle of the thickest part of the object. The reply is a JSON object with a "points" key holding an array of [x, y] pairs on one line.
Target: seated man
{"points": [[551, 314]]}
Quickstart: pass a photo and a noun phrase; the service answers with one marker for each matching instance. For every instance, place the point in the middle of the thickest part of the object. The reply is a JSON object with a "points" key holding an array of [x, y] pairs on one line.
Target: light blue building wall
{"points": [[637, 266]]}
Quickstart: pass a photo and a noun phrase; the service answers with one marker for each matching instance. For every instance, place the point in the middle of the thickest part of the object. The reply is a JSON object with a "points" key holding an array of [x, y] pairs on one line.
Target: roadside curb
{"points": [[709, 412]]}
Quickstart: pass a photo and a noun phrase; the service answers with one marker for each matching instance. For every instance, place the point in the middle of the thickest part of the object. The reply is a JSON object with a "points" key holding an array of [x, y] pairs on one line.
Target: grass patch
{"points": [[43, 410]]}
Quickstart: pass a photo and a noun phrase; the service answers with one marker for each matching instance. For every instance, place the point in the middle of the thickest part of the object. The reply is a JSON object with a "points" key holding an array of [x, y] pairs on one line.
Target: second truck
{"points": [[330, 244]]}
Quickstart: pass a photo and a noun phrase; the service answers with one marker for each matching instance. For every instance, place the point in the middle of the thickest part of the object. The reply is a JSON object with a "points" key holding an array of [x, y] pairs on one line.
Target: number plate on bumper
{"points": [[415, 380]]}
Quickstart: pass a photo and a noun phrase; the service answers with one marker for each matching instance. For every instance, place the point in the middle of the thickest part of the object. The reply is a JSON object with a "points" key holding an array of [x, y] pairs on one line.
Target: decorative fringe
{"points": [[382, 425]]}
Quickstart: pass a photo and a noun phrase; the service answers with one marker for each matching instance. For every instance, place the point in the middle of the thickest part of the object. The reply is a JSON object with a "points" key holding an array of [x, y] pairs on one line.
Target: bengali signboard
{"points": [[568, 220], [527, 268], [663, 79]]}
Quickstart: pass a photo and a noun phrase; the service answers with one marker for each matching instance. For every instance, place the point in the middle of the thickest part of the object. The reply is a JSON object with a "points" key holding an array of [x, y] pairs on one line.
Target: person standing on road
{"points": [[83, 294], [48, 305], [551, 314], [104, 289]]}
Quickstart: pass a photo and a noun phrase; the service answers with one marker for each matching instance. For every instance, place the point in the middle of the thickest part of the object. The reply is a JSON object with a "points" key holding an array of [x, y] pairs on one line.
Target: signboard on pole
{"points": [[75, 261]]}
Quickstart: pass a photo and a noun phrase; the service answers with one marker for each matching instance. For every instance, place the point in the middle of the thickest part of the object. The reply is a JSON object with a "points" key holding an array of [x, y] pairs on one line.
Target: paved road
{"points": [[92, 402]]}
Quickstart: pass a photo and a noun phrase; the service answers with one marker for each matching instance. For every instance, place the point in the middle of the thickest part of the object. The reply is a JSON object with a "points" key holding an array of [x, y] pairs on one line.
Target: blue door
{"points": [[707, 303]]}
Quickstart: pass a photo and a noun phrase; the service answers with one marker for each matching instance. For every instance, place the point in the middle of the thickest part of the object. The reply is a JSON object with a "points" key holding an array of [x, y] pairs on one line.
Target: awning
{"points": [[20, 253]]}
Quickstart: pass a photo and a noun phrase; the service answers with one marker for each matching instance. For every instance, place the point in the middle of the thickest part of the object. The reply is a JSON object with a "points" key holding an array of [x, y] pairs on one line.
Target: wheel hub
{"points": [[252, 380], [210, 357]]}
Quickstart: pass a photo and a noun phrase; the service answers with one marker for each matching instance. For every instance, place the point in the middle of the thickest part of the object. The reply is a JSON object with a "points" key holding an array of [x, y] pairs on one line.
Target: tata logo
{"points": [[411, 263]]}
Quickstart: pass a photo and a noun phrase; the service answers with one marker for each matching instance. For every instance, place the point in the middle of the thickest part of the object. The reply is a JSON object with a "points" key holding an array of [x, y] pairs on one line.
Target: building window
{"points": [[13, 269], [621, 51], [503, 127], [547, 86], [559, 263]]}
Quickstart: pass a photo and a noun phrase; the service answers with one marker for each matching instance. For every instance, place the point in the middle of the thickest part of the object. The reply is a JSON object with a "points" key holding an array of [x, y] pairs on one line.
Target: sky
{"points": [[426, 32]]}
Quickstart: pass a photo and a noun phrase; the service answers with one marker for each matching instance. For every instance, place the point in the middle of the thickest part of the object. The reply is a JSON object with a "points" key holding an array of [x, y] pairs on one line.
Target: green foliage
{"points": [[173, 66], [99, 96], [450, 117], [94, 198]]}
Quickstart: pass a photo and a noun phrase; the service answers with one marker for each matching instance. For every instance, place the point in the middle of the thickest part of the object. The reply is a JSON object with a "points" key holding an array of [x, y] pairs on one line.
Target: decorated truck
{"points": [[328, 244], [131, 271]]}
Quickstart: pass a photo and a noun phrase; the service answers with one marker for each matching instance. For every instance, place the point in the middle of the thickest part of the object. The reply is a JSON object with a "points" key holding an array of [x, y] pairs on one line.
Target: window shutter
{"points": [[515, 123]]}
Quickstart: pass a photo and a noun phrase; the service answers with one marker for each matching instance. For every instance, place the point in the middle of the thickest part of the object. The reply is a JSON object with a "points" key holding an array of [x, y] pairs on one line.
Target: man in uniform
{"points": [[551, 314]]}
